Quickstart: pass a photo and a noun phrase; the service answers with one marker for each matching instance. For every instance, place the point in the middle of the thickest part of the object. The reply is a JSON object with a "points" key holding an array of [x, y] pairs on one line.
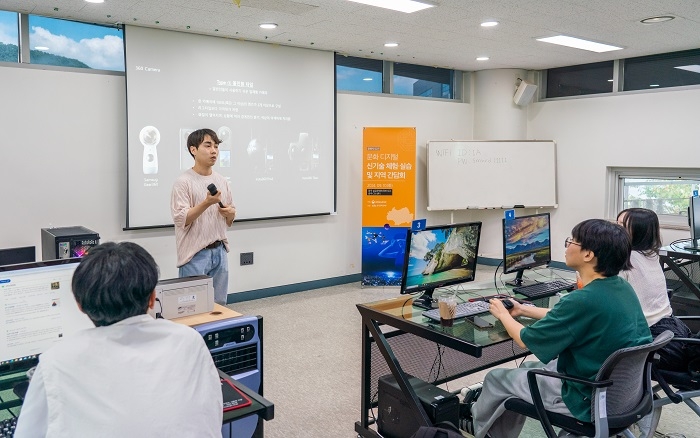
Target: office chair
{"points": [[622, 394], [686, 384]]}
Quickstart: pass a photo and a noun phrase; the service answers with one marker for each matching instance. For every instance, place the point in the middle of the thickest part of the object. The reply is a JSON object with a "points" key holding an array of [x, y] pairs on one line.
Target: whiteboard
{"points": [[491, 174]]}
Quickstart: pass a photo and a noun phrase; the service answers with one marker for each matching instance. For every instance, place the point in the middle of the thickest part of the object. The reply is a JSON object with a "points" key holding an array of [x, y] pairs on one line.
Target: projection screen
{"points": [[272, 106]]}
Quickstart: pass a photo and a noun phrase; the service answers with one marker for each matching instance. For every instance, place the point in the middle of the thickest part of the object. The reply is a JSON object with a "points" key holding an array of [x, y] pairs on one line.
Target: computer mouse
{"points": [[507, 304]]}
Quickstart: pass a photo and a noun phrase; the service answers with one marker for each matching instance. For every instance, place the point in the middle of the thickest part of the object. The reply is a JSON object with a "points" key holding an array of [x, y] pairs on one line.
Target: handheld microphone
{"points": [[212, 189]]}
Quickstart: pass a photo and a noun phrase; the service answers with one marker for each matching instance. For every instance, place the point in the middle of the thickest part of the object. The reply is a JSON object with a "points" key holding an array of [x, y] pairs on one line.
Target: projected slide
{"points": [[273, 108]]}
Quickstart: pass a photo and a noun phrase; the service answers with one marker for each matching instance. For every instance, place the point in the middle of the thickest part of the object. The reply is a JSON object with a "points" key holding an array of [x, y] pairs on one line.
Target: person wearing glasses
{"points": [[574, 337]]}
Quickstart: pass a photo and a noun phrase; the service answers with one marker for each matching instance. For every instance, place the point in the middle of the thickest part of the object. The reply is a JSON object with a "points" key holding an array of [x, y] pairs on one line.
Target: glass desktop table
{"points": [[397, 339], [681, 262], [682, 271]]}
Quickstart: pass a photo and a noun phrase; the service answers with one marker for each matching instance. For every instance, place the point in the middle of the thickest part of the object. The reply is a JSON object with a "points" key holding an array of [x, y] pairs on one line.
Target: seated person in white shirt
{"points": [[131, 375], [649, 283]]}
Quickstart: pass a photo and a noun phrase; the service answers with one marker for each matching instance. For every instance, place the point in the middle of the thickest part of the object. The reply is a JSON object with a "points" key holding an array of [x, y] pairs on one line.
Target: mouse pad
{"points": [[233, 398]]}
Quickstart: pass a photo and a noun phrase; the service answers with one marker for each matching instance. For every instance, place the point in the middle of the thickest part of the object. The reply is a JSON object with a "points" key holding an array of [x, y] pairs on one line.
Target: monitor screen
{"points": [[526, 243], [694, 222], [13, 256], [440, 256], [37, 309]]}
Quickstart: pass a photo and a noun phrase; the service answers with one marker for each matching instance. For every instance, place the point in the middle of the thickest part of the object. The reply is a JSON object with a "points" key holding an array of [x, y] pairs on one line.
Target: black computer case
{"points": [[395, 418], [67, 242]]}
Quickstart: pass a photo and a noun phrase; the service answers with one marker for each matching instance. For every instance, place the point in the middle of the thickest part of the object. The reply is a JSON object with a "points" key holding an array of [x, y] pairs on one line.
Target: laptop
{"points": [[186, 296]]}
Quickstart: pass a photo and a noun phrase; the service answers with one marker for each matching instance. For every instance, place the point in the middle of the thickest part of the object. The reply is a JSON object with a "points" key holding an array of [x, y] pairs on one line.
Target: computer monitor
{"points": [[694, 223], [526, 244], [13, 256], [437, 257], [37, 309]]}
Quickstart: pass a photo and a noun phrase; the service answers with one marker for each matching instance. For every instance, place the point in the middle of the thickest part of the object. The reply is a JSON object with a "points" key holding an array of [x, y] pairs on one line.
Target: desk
{"points": [[682, 271], [218, 314], [410, 343], [259, 405], [238, 356]]}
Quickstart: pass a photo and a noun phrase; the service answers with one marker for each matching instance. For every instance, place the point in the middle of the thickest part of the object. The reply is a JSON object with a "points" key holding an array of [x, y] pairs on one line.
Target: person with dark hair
{"points": [[574, 337], [131, 375], [648, 281], [201, 219]]}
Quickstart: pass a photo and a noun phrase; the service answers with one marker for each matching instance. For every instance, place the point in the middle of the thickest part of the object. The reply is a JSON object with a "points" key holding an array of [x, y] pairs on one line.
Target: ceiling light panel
{"points": [[578, 43], [407, 6]]}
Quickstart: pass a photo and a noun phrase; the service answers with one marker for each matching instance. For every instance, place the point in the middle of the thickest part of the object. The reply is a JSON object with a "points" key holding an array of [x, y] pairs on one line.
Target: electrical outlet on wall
{"points": [[246, 258]]}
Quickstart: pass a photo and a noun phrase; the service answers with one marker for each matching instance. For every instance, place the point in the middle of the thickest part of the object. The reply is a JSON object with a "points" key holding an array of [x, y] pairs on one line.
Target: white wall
{"points": [[652, 129], [64, 163]]}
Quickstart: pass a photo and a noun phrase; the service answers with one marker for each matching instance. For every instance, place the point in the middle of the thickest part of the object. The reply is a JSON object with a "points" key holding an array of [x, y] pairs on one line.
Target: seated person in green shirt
{"points": [[574, 337]]}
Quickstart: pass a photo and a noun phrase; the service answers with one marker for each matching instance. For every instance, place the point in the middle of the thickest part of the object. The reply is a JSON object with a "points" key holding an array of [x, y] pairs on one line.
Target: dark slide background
{"points": [[272, 106]]}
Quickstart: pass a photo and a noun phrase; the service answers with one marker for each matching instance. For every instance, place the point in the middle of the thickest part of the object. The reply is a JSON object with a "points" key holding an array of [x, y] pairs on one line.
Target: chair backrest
{"points": [[630, 371]]}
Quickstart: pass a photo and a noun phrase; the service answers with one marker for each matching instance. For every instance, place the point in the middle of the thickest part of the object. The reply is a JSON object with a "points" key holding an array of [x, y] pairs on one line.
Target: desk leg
{"points": [[398, 373], [366, 397], [681, 275]]}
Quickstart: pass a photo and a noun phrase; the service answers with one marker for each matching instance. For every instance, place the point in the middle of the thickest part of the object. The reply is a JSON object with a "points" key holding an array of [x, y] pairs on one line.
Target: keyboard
{"points": [[463, 309], [7, 427], [543, 290]]}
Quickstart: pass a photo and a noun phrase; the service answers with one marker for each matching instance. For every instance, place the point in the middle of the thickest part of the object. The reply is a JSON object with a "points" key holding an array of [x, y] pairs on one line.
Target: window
{"points": [[666, 191], [418, 80], [9, 37], [664, 70], [578, 80], [358, 74], [71, 44]]}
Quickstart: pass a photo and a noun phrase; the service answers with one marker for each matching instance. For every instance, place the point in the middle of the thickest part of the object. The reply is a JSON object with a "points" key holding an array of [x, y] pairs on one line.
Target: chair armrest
{"points": [[537, 397], [689, 317], [591, 383], [688, 340]]}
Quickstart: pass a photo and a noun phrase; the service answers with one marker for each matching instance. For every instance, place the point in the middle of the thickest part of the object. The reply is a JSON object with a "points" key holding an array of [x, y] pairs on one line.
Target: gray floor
{"points": [[312, 364]]}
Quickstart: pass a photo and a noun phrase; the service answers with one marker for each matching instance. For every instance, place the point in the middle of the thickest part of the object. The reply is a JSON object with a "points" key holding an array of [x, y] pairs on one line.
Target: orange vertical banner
{"points": [[388, 202]]}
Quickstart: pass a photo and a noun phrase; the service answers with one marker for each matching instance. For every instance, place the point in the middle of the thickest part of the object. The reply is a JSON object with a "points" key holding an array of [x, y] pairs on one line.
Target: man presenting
{"points": [[202, 218]]}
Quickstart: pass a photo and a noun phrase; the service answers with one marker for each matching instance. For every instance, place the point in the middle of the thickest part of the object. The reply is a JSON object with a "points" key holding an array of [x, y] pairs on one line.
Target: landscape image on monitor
{"points": [[439, 255], [526, 242]]}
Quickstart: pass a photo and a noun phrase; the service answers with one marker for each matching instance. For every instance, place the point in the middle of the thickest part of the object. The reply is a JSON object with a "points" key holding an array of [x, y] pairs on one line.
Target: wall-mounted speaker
{"points": [[525, 93]]}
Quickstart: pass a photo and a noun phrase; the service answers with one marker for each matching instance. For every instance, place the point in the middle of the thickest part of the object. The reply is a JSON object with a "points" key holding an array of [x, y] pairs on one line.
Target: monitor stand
{"points": [[519, 280], [425, 301], [693, 246]]}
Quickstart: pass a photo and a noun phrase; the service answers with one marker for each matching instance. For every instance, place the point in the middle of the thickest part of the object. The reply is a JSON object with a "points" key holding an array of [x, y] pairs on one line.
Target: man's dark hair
{"points": [[114, 281], [197, 137], [643, 226], [609, 242]]}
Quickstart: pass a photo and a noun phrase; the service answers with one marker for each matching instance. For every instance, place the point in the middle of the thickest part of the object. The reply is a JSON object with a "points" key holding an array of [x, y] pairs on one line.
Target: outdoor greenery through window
{"points": [[71, 44], [9, 38], [668, 197]]}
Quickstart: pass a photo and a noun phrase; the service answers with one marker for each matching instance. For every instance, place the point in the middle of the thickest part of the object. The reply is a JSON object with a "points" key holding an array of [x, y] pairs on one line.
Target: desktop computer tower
{"points": [[67, 242], [395, 418], [236, 346], [686, 303]]}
